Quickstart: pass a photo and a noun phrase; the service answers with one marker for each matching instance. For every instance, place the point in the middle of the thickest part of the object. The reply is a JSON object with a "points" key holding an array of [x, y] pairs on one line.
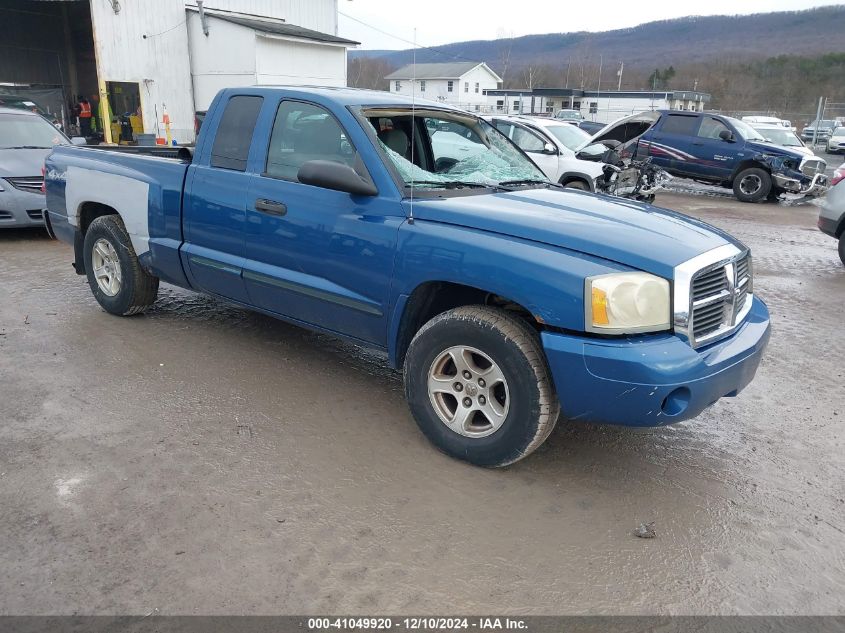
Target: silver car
{"points": [[832, 216], [25, 140]]}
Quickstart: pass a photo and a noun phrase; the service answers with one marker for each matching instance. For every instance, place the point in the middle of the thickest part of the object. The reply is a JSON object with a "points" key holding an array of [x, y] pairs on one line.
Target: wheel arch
{"points": [[431, 298], [85, 214], [747, 164], [573, 176]]}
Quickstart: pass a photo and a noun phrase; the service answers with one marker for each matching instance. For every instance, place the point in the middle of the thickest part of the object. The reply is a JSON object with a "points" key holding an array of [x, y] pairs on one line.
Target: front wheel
{"points": [[752, 184], [577, 184], [115, 276], [478, 386]]}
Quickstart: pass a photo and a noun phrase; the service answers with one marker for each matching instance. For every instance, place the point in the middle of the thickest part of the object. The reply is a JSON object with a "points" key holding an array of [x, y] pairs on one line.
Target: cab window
{"points": [[711, 128], [303, 132]]}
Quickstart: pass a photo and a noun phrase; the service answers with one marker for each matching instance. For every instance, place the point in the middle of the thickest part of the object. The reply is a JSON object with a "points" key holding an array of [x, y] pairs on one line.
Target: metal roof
{"points": [[277, 27], [452, 70]]}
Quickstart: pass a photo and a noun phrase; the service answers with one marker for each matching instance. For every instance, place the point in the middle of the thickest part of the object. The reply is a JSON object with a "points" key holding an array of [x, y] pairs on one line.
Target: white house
{"points": [[459, 83]]}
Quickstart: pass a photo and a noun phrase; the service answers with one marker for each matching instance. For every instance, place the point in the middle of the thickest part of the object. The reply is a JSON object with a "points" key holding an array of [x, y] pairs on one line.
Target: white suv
{"points": [[552, 145]]}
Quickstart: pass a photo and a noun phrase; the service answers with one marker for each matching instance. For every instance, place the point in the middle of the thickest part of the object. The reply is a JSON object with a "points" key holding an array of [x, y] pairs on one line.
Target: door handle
{"points": [[271, 207]]}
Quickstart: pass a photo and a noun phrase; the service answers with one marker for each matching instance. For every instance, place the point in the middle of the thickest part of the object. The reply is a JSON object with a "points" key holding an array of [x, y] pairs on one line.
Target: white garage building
{"points": [[151, 57]]}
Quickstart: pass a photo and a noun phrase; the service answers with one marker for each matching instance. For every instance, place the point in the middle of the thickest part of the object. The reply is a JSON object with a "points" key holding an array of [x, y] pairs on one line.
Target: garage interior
{"points": [[47, 57]]}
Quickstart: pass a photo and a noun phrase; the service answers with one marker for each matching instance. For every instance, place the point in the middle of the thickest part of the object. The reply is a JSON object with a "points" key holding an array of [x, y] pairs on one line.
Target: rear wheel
{"points": [[115, 276], [478, 386], [752, 184]]}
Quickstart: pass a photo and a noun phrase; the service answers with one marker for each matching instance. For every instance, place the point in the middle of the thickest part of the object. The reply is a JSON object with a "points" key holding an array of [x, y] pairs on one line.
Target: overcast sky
{"points": [[444, 21]]}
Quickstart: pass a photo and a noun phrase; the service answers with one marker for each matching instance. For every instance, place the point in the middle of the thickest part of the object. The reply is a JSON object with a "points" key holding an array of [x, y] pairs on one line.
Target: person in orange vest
{"points": [[84, 116]]}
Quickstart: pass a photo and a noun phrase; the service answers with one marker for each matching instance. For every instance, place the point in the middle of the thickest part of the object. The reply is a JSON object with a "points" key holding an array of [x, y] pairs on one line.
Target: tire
{"points": [[842, 248], [108, 249], [774, 194], [577, 184], [752, 184], [523, 402]]}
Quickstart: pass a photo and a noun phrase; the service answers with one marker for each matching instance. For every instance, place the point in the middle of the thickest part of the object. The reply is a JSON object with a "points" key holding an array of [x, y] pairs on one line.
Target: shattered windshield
{"points": [[442, 150], [745, 131]]}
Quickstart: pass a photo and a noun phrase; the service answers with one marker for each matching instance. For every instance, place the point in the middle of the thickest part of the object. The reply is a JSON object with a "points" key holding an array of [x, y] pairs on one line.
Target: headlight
{"points": [[626, 303]]}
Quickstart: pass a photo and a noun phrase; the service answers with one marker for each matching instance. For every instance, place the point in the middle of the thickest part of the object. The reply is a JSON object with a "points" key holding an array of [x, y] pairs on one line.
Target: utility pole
{"points": [[819, 113], [568, 67], [621, 69]]}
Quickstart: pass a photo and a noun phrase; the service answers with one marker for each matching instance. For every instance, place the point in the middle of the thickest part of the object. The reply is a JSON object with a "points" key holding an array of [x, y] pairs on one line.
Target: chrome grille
{"points": [[718, 296], [812, 167], [31, 184]]}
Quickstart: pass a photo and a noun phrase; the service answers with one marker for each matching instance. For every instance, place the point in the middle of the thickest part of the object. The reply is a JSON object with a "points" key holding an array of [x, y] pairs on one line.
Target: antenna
{"points": [[413, 120]]}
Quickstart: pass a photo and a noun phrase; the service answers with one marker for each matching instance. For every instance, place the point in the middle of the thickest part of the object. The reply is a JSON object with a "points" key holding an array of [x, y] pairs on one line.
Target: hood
{"points": [[630, 233], [624, 129], [774, 150], [15, 163]]}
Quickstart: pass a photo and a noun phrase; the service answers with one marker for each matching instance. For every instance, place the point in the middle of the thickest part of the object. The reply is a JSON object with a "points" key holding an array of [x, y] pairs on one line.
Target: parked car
{"points": [[783, 137], [720, 150], [25, 140], [832, 215], [825, 129], [836, 142], [591, 127], [553, 145], [505, 298], [754, 121], [570, 116]]}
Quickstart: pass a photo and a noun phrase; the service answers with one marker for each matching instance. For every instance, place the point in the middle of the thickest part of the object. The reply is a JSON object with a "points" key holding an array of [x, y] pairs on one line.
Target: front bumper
{"points": [[20, 208], [814, 187], [654, 380]]}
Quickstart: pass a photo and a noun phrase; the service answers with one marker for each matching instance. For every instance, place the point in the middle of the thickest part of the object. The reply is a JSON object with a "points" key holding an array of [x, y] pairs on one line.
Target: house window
{"points": [[477, 87], [594, 107], [422, 85], [500, 105], [398, 85], [516, 105], [450, 86], [466, 86]]}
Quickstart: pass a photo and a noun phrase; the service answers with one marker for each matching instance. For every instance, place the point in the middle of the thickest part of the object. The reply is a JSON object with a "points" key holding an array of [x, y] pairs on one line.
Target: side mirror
{"points": [[726, 135], [548, 148], [335, 176], [78, 140]]}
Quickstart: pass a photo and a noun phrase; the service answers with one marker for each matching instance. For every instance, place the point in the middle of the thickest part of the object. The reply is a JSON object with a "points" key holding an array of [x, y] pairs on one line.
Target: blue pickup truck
{"points": [[714, 149], [508, 301]]}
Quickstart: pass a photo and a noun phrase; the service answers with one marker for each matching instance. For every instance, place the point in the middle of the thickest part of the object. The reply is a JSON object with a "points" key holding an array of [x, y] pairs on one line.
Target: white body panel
{"points": [[129, 195]]}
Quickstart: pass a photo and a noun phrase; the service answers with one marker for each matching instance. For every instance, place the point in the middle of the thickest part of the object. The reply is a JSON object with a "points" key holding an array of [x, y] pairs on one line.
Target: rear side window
{"points": [[303, 132], [234, 134], [680, 124]]}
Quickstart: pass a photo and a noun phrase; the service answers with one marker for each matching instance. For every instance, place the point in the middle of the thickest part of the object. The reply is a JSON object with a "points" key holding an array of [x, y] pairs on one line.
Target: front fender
{"points": [[546, 280]]}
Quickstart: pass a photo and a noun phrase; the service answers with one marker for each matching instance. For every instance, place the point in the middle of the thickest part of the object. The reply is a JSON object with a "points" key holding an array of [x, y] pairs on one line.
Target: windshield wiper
{"points": [[457, 184], [27, 147], [530, 181]]}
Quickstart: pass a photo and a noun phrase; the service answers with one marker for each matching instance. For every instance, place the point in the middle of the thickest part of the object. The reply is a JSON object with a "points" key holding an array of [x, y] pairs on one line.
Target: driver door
{"points": [[315, 255]]}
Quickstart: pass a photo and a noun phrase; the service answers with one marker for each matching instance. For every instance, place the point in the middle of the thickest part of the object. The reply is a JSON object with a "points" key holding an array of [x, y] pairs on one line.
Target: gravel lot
{"points": [[204, 459]]}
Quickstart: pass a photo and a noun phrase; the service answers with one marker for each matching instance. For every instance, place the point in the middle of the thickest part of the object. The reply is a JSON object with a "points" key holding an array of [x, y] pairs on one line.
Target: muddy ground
{"points": [[204, 459]]}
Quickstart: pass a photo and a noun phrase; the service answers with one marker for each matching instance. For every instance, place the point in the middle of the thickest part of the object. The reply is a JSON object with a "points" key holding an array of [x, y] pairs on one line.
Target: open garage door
{"points": [[47, 57]]}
